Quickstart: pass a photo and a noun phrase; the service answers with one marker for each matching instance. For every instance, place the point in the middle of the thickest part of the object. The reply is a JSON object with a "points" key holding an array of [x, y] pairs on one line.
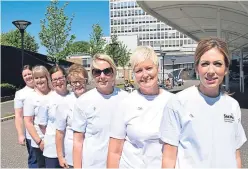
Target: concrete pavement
{"points": [[7, 108], [15, 156]]}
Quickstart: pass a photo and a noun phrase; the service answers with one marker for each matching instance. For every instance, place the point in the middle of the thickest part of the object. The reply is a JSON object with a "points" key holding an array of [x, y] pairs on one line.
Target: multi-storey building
{"points": [[127, 18]]}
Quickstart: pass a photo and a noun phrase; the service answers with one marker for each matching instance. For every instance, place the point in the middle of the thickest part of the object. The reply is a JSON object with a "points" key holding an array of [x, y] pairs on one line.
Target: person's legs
{"points": [[39, 157], [52, 162], [32, 163]]}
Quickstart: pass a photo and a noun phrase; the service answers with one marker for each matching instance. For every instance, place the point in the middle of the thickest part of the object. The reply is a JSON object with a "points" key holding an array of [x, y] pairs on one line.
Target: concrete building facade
{"points": [[127, 18]]}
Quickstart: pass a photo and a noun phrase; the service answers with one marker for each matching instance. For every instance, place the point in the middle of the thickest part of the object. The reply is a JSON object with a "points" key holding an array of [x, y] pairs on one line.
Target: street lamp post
{"points": [[22, 25], [173, 60], [163, 55]]}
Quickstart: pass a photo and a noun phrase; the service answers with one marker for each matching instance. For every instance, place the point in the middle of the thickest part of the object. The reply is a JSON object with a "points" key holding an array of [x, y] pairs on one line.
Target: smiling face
{"points": [[41, 82], [146, 75], [78, 83], [211, 70], [28, 77], [59, 82], [103, 75]]}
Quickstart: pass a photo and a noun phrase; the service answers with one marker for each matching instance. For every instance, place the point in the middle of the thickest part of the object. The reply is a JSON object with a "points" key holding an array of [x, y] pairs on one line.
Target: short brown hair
{"points": [[25, 67], [76, 69], [57, 68], [213, 42]]}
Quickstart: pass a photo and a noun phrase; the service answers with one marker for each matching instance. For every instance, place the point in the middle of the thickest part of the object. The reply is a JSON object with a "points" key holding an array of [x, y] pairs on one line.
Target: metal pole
{"points": [[241, 72], [22, 38], [173, 73], [163, 69]]}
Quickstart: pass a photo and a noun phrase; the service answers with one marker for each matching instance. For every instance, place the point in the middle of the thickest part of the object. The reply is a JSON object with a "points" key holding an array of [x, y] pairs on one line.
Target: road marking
{"points": [[7, 118], [7, 101]]}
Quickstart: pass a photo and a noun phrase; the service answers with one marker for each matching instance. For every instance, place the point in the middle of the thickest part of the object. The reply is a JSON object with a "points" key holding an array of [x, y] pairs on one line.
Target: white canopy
{"points": [[199, 19]]}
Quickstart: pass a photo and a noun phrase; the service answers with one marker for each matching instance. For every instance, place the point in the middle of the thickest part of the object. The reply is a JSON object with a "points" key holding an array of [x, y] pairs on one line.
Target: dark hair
{"points": [[57, 68], [25, 67], [213, 42]]}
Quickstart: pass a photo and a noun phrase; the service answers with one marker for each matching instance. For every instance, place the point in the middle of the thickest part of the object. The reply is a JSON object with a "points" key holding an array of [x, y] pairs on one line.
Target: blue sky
{"points": [[86, 13]]}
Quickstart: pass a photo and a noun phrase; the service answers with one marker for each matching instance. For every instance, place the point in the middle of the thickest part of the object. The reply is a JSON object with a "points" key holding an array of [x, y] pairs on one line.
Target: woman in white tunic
{"points": [[20, 97], [33, 108], [134, 136], [48, 118], [201, 126], [92, 115], [78, 78]]}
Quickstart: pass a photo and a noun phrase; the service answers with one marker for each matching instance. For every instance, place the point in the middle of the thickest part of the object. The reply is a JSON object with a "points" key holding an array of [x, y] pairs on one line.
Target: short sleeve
{"points": [[240, 136], [79, 122], [61, 116], [170, 127], [42, 115], [29, 107], [118, 124], [18, 102]]}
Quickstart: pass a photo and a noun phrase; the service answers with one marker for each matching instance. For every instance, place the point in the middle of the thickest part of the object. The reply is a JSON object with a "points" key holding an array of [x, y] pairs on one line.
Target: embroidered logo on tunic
{"points": [[229, 118], [140, 108]]}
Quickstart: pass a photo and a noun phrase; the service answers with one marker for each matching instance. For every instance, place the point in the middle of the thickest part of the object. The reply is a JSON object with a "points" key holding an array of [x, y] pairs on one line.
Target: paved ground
{"points": [[15, 156], [7, 108]]}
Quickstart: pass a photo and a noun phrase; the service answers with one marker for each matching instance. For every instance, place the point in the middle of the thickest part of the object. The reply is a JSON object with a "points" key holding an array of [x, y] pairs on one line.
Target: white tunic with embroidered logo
{"points": [[64, 116], [207, 131], [92, 115], [19, 99], [48, 119], [137, 120], [33, 106]]}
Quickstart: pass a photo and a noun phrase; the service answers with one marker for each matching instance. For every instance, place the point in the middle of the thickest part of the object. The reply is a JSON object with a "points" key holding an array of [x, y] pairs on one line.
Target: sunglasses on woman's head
{"points": [[97, 72]]}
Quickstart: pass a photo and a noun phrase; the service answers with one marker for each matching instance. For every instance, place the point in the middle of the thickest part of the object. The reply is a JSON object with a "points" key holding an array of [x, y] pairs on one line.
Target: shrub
{"points": [[7, 89]]}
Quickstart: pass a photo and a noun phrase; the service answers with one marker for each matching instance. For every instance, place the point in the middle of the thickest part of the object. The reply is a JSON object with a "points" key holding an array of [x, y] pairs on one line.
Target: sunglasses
{"points": [[97, 72]]}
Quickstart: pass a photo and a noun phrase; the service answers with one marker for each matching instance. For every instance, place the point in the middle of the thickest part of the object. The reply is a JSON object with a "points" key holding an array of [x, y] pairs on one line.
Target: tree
{"points": [[118, 51], [124, 56], [97, 42], [80, 47], [13, 38], [55, 31]]}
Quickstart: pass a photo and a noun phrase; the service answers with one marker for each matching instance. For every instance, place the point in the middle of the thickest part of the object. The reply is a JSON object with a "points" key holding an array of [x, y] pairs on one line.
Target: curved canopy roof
{"points": [[199, 19]]}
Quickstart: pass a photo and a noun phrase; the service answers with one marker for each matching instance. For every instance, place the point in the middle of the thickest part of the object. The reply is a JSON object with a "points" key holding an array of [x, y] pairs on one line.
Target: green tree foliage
{"points": [[55, 31], [97, 43], [118, 52], [13, 38], [80, 47]]}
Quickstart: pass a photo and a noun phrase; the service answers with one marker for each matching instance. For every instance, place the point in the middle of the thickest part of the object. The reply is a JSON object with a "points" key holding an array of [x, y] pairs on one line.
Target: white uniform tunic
{"points": [[64, 116], [48, 119], [92, 115], [19, 99], [34, 106], [207, 131], [137, 120]]}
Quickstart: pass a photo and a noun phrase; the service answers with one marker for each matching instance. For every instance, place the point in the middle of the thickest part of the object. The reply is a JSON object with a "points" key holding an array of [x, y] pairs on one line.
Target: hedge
{"points": [[7, 89]]}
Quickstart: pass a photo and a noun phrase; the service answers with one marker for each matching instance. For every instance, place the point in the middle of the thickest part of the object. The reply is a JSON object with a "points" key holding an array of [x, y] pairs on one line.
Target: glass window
{"points": [[181, 42]]}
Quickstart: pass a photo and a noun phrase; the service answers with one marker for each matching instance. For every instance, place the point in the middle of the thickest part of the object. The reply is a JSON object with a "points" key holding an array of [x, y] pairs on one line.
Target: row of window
{"points": [[132, 12], [152, 30], [122, 5], [169, 43]]}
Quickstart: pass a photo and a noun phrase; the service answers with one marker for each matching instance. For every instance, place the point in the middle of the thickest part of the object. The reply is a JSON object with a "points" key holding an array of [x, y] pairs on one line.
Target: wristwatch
{"points": [[39, 142]]}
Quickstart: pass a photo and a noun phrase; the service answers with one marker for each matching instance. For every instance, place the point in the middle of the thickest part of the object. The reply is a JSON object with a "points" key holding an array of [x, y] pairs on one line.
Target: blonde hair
{"points": [[142, 53], [42, 70], [76, 69], [103, 57]]}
